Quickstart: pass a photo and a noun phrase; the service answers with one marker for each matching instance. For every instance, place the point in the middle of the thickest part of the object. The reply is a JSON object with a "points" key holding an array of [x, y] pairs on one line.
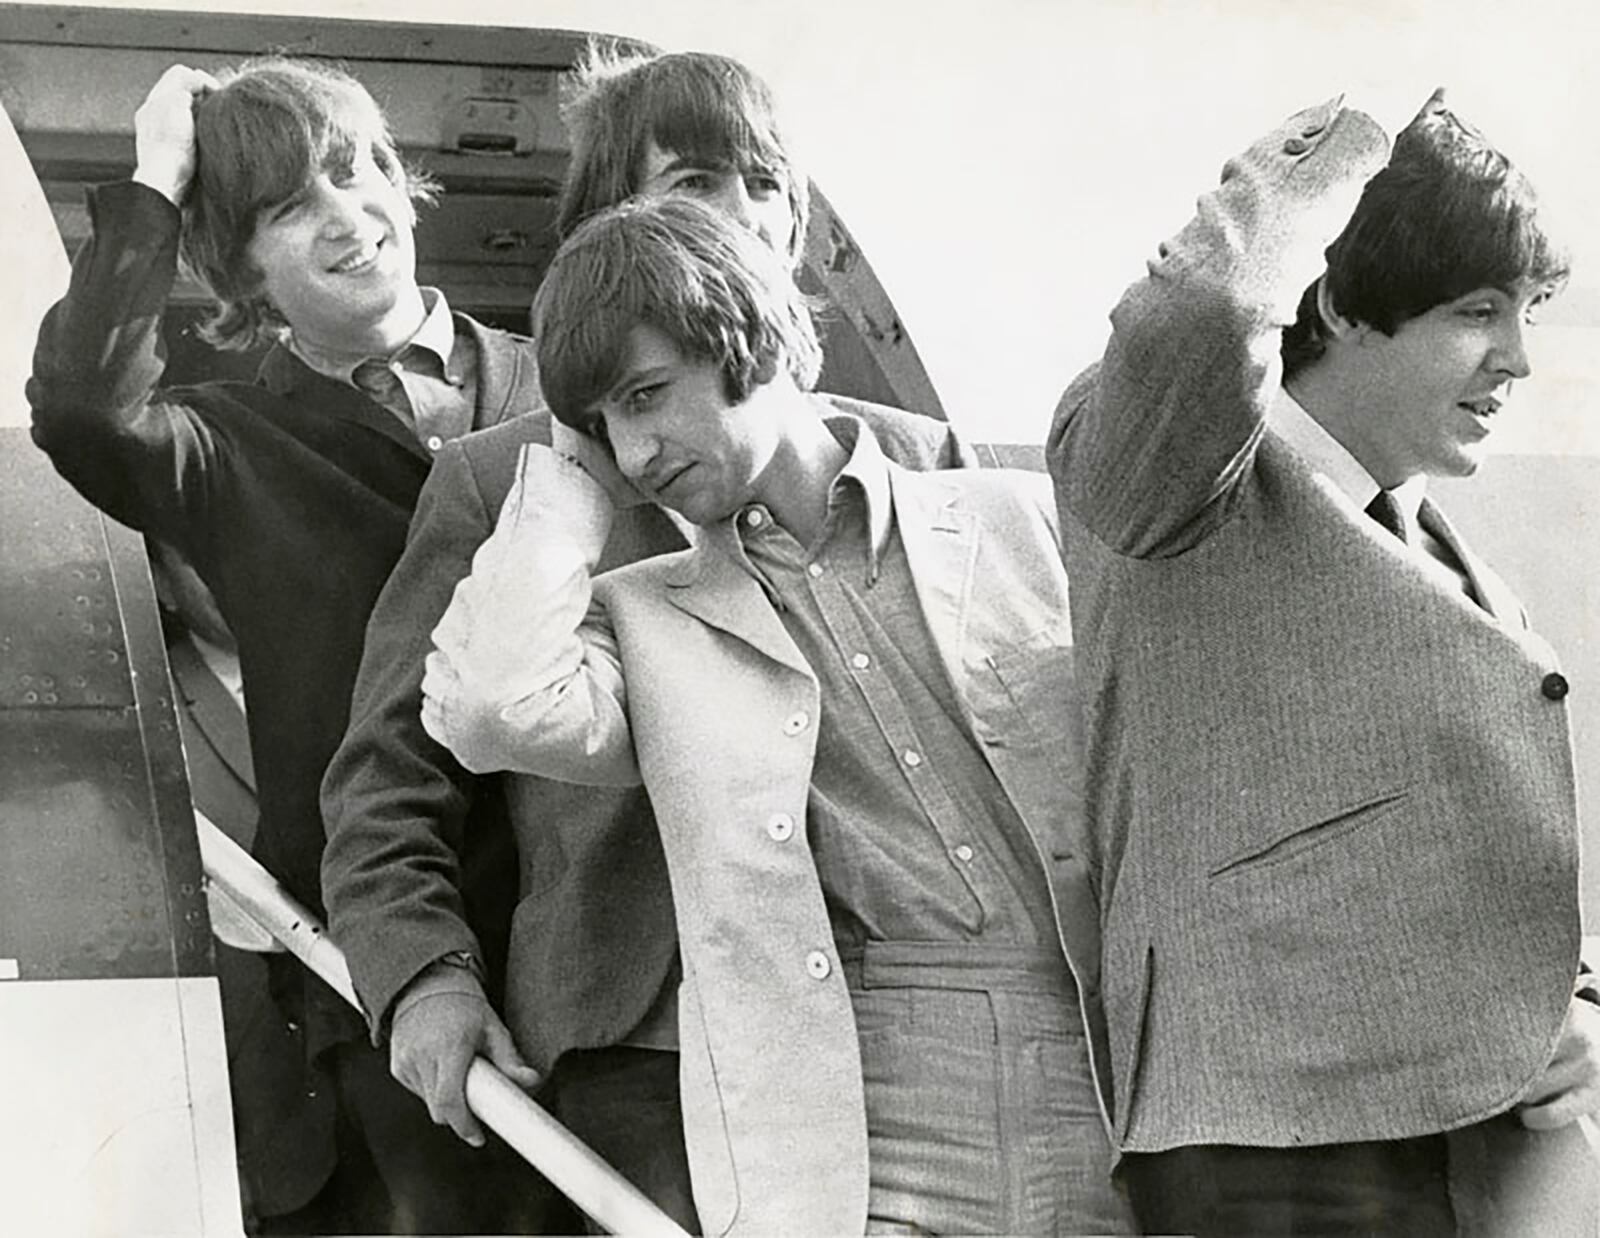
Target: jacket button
{"points": [[781, 827], [1554, 686], [1296, 146], [817, 965]]}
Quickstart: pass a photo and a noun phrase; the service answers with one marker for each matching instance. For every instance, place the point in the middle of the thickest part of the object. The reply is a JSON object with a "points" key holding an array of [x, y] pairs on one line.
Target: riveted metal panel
{"points": [[99, 864]]}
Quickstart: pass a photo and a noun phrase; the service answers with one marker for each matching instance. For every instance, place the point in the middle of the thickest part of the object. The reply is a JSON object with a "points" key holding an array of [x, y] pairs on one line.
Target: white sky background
{"points": [[1007, 165]]}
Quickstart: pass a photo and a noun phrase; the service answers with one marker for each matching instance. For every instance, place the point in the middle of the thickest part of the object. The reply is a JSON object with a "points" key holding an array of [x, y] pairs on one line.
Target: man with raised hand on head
{"points": [[593, 972], [1329, 765], [278, 185], [850, 705]]}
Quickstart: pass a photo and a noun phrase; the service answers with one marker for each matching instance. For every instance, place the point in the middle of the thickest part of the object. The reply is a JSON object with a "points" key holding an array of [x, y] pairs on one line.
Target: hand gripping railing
{"points": [[544, 1143]]}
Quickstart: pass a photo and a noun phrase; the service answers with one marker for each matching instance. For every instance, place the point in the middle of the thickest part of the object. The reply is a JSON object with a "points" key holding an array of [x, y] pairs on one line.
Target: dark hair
{"points": [[272, 125], [714, 288], [1447, 216], [697, 105]]}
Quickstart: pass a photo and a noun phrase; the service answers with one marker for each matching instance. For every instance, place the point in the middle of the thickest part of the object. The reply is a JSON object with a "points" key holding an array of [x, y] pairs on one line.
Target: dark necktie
{"points": [[378, 379], [1386, 511]]}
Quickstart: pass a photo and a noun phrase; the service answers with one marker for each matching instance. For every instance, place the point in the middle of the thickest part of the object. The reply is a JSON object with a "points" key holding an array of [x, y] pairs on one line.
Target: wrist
{"points": [[170, 182], [457, 973]]}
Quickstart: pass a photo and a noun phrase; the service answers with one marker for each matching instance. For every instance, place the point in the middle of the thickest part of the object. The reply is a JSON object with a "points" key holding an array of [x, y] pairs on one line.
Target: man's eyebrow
{"points": [[696, 163]]}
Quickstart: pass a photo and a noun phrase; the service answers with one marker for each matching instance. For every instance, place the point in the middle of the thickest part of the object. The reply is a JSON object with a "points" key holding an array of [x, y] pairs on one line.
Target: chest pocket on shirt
{"points": [[1023, 696]]}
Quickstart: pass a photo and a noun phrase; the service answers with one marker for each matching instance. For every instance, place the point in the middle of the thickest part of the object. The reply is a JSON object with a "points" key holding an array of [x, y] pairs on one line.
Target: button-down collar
{"points": [[866, 472]]}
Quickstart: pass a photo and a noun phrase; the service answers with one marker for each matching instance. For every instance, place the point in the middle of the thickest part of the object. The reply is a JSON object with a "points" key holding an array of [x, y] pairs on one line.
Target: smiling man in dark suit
{"points": [[279, 185], [1328, 762]]}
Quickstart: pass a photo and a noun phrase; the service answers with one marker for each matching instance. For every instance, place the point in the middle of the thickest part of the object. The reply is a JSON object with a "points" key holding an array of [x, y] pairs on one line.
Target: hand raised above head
{"points": [[164, 131]]}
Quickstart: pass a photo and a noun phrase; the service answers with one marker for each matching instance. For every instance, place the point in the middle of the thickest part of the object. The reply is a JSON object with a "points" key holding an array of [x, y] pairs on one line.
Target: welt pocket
{"points": [[1297, 842], [1026, 691]]}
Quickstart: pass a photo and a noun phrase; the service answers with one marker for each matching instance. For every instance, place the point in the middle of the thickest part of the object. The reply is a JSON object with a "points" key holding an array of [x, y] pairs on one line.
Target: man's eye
{"points": [[764, 184], [283, 210], [641, 398]]}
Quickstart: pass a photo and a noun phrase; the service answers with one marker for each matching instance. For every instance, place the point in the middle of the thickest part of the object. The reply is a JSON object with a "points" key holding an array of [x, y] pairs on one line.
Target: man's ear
{"points": [[1335, 326]]}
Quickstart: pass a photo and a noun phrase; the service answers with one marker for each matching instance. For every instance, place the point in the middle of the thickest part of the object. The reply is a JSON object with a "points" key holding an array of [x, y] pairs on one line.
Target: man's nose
{"points": [[633, 449], [340, 209], [1511, 352], [733, 200]]}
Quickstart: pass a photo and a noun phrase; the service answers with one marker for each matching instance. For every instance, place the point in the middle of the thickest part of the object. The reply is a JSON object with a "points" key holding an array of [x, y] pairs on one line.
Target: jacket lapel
{"points": [[940, 537], [508, 379], [1488, 590], [286, 375], [717, 591]]}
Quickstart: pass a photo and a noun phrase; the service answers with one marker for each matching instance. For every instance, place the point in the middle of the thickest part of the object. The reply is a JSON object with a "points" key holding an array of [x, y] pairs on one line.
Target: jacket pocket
{"points": [[1295, 842]]}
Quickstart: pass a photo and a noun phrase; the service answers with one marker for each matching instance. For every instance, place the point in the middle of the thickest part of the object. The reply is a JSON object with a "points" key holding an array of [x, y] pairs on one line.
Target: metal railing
{"points": [[574, 1168]]}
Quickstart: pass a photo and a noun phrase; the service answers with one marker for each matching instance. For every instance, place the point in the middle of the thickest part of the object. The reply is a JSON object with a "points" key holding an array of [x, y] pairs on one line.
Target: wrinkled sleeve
{"points": [[524, 675], [1149, 446], [139, 454], [395, 801]]}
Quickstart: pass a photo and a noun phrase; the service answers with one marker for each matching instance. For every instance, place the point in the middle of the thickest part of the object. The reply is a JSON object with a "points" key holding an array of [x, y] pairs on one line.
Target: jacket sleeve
{"points": [[1149, 446], [394, 800], [525, 674], [140, 455]]}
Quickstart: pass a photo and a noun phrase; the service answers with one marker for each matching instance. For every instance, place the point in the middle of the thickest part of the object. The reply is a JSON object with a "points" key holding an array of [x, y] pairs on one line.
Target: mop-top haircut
{"points": [[711, 286], [1447, 216], [271, 127], [699, 106]]}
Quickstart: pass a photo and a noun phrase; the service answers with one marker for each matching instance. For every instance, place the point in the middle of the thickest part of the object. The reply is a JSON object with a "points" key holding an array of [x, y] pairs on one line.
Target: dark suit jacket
{"points": [[290, 496], [593, 938], [1335, 795]]}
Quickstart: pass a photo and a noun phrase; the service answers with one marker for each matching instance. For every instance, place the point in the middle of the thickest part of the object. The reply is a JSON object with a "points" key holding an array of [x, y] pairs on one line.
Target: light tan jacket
{"points": [[683, 676]]}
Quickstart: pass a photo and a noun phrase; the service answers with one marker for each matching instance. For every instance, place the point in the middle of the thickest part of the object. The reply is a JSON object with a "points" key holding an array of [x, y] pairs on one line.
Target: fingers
{"points": [[163, 130], [500, 1049], [1565, 1109], [432, 1043], [1569, 1088]]}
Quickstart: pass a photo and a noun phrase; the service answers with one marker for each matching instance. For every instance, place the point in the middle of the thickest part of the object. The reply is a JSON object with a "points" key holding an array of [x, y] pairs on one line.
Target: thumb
{"points": [[501, 1050]]}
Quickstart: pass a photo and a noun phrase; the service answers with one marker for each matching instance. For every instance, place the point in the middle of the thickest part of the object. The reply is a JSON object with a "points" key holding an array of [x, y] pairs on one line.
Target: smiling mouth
{"points": [[359, 260], [1484, 408]]}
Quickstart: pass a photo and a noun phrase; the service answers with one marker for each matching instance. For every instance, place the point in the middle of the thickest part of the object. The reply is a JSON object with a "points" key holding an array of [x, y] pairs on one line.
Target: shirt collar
{"points": [[1329, 458], [436, 336], [866, 467]]}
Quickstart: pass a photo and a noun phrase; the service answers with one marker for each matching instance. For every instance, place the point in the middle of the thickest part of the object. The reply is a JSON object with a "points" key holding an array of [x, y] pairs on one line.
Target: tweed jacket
{"points": [[592, 939], [681, 675], [1334, 794]]}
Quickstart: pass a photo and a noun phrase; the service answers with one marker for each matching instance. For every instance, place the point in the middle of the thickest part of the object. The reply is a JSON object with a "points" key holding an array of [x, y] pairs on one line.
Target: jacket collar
{"points": [[717, 585], [507, 384]]}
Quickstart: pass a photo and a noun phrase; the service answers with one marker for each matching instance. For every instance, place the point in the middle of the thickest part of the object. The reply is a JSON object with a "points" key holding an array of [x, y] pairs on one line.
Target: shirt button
{"points": [[911, 757], [795, 722], [434, 442], [781, 826], [860, 661], [814, 570], [753, 518], [1554, 686], [963, 853], [817, 965]]}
